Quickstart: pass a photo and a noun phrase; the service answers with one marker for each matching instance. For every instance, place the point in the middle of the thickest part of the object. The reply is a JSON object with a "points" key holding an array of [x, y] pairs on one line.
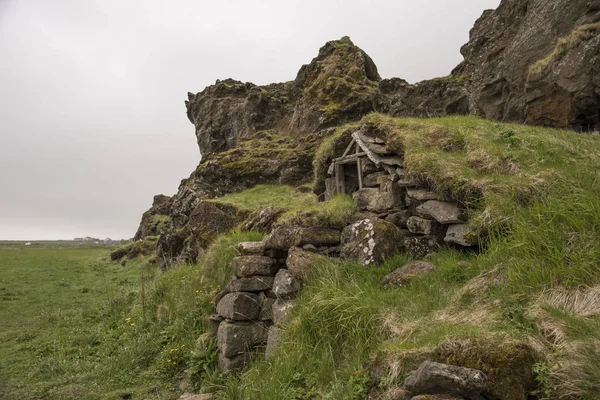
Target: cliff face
{"points": [[529, 61], [536, 61]]}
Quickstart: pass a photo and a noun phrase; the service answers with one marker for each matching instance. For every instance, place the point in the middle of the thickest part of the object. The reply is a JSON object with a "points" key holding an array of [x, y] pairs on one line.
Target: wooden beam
{"points": [[339, 178], [351, 157], [359, 168], [348, 148], [372, 156]]}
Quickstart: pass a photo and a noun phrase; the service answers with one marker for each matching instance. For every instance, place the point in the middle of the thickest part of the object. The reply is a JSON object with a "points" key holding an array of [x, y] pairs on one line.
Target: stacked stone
{"points": [[256, 305], [244, 308], [424, 220]]}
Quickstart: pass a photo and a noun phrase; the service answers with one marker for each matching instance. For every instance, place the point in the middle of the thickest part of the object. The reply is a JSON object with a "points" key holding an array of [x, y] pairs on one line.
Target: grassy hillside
{"points": [[525, 310]]}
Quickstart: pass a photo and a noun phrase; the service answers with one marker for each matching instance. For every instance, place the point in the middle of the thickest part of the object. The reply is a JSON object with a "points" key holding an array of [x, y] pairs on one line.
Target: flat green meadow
{"points": [[55, 308]]}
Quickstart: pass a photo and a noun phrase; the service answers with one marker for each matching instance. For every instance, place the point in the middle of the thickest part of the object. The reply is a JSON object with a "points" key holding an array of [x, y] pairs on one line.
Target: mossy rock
{"points": [[507, 362], [135, 249]]}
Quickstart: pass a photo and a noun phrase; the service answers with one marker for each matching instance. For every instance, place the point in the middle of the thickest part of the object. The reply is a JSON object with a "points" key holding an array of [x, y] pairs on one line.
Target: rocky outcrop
{"points": [[156, 220], [339, 85], [531, 61], [191, 231]]}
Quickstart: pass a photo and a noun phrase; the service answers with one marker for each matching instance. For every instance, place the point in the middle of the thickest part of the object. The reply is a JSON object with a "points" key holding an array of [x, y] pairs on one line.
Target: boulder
{"points": [[420, 246], [248, 266], [251, 248], [237, 338], [387, 196], [282, 310], [424, 226], [273, 340], [285, 237], [461, 234], [300, 261], [442, 211], [437, 378], [239, 306], [254, 284], [156, 220], [286, 286], [370, 240], [330, 188], [403, 275]]}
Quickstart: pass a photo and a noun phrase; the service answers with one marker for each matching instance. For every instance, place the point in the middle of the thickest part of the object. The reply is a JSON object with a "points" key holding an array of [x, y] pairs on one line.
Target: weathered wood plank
{"points": [[372, 156], [352, 142], [351, 158]]}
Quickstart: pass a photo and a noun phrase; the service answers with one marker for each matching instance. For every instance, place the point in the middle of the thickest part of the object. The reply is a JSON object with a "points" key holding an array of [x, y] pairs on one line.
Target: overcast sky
{"points": [[92, 119]]}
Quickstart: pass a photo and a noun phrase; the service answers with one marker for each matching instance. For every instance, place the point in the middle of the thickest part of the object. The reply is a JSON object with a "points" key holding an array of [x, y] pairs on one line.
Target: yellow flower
{"points": [[174, 363], [132, 324], [168, 361]]}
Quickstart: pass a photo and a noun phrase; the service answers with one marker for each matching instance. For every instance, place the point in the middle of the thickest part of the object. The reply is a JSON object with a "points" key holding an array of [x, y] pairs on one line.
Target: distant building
{"points": [[28, 244]]}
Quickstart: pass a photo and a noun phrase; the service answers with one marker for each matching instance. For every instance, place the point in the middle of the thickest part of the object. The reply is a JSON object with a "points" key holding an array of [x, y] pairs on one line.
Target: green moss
{"points": [[161, 222], [508, 363], [135, 249], [261, 155]]}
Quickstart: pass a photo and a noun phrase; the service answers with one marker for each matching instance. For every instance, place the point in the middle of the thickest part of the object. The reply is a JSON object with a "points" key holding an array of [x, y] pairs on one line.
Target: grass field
{"points": [[56, 308]]}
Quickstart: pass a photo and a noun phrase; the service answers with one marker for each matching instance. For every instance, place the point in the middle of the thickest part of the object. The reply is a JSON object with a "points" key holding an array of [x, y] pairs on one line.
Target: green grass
{"points": [[335, 213], [58, 307], [77, 326], [534, 193], [524, 307], [282, 196]]}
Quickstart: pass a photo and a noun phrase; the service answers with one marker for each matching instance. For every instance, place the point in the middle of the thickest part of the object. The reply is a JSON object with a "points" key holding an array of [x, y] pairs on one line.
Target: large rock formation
{"points": [[339, 85], [532, 61]]}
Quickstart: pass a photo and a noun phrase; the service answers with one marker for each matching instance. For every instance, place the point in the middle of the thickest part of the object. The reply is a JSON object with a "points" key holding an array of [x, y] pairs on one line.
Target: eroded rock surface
{"points": [[436, 378], [370, 240]]}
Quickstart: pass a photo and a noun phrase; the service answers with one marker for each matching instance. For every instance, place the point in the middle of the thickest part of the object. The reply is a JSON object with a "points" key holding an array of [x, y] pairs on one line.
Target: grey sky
{"points": [[92, 120]]}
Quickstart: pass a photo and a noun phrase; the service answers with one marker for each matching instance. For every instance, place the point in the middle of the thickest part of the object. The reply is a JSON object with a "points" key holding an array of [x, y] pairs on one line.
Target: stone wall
{"points": [[255, 304]]}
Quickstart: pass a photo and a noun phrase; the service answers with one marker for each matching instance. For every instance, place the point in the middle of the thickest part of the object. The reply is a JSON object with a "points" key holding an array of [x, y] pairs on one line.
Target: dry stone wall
{"points": [[394, 214]]}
